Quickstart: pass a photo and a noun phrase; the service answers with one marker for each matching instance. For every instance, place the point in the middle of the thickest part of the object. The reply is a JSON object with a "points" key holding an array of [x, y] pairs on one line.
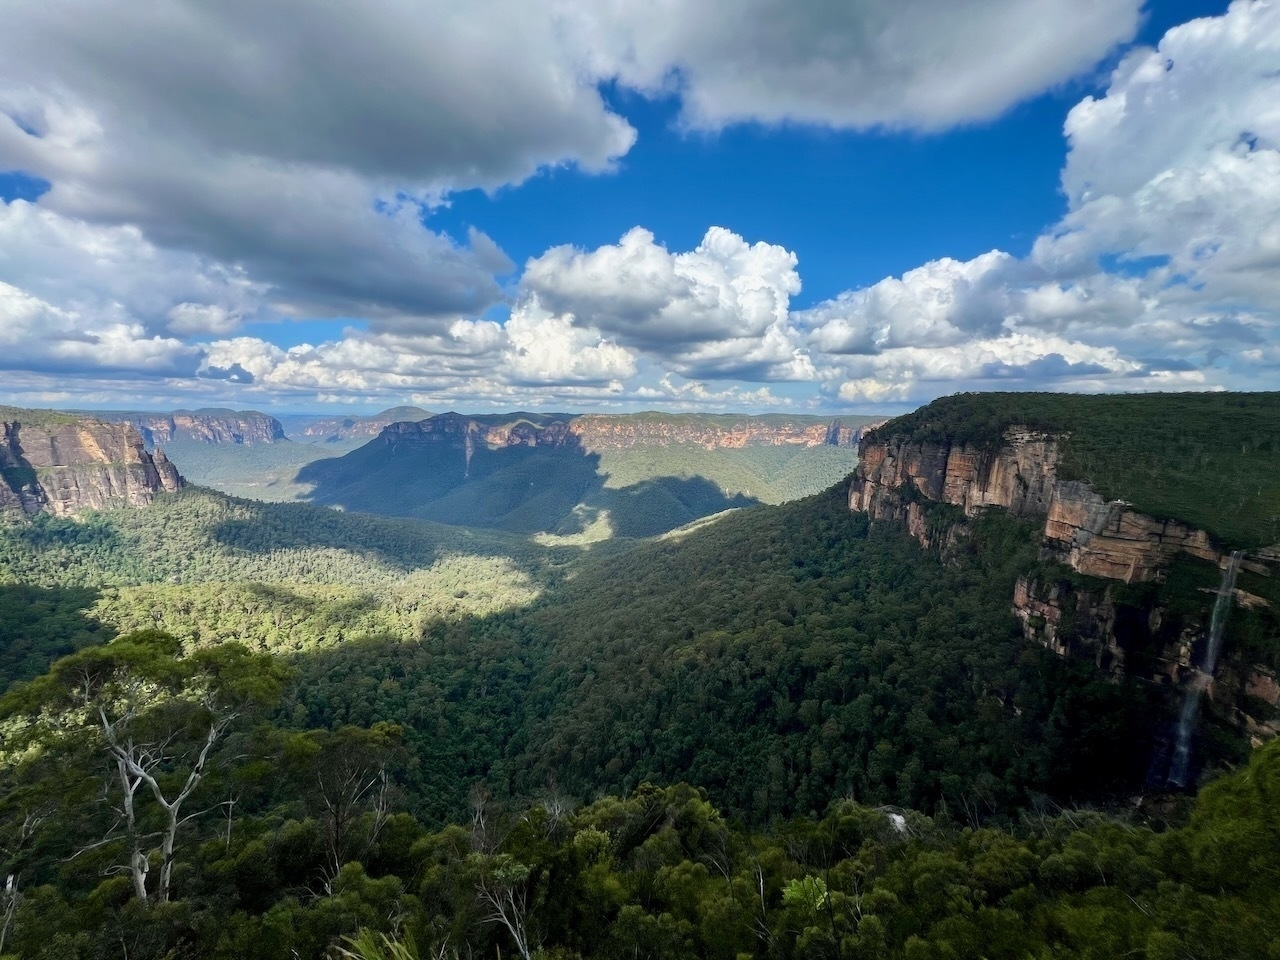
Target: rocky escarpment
{"points": [[353, 428], [213, 426], [596, 432], [63, 465], [1101, 545], [1091, 535]]}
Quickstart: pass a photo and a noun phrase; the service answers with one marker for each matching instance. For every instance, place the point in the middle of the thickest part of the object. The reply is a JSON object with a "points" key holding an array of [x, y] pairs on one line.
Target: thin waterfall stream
{"points": [[1180, 768]]}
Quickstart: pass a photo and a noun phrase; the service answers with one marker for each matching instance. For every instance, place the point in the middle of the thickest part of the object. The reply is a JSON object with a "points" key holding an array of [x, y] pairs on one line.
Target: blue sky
{"points": [[818, 206]]}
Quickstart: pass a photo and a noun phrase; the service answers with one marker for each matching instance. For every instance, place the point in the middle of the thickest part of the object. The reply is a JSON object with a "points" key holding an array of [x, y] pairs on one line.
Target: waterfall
{"points": [[1180, 769]]}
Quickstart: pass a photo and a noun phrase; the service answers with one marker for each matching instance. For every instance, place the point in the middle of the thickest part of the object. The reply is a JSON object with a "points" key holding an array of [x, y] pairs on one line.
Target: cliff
{"points": [[1091, 535], [352, 428], [62, 465], [213, 426], [1133, 592], [596, 432]]}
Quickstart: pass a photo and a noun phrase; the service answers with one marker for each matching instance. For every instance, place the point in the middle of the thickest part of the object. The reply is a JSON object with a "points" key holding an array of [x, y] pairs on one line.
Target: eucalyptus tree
{"points": [[155, 717]]}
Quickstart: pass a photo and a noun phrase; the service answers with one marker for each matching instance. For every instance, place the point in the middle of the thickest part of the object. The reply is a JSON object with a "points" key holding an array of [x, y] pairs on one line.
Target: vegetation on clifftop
{"points": [[1211, 460]]}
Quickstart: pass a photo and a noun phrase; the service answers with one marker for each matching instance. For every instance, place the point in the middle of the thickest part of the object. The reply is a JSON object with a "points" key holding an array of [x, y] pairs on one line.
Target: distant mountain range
{"points": [[214, 425], [589, 476]]}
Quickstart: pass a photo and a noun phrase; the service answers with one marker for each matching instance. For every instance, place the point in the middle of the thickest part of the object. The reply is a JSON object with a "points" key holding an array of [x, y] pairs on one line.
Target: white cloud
{"points": [[306, 143], [923, 64], [533, 349], [1164, 272], [114, 271], [943, 302], [721, 309], [1180, 160], [38, 336], [552, 349], [286, 161]]}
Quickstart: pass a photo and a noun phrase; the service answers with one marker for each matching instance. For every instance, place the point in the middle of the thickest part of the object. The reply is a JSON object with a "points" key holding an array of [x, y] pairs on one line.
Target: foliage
{"points": [[260, 471], [1211, 460], [40, 624], [785, 733], [661, 873]]}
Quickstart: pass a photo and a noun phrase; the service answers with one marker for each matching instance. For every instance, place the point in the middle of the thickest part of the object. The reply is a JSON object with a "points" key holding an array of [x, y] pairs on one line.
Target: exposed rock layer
{"points": [[605, 432], [1092, 535], [245, 427], [897, 478], [63, 465], [354, 428]]}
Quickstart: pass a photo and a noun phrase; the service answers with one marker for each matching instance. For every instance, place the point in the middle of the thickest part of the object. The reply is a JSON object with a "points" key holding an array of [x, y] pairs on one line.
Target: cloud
{"points": [[1164, 272], [534, 349], [941, 303], [1180, 162], [918, 64], [38, 336], [287, 162], [719, 310], [552, 349], [114, 271], [306, 143]]}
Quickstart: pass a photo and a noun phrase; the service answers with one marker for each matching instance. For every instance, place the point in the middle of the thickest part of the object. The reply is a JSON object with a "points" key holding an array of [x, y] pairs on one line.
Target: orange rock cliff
{"points": [[1095, 537], [63, 465]]}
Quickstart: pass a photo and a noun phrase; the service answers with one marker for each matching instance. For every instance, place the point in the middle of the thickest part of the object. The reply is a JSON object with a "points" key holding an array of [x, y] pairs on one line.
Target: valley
{"points": [[711, 685]]}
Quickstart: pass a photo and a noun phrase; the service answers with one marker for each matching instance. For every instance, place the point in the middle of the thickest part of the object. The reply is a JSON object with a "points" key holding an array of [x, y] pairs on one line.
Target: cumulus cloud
{"points": [[534, 349], [922, 64], [38, 336], [721, 309], [1164, 272], [938, 304], [79, 298], [1179, 162], [115, 271], [306, 143], [215, 164]]}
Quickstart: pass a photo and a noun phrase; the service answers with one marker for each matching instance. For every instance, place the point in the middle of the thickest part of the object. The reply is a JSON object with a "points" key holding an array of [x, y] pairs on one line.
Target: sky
{"points": [[767, 205]]}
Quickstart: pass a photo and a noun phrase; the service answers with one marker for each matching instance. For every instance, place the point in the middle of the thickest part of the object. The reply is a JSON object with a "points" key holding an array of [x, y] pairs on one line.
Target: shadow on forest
{"points": [[38, 625], [555, 489]]}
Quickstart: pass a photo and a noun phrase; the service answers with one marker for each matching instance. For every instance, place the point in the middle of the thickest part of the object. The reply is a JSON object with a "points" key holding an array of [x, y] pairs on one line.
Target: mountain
{"points": [[590, 475], [62, 464], [210, 425], [789, 731], [314, 429], [1149, 509]]}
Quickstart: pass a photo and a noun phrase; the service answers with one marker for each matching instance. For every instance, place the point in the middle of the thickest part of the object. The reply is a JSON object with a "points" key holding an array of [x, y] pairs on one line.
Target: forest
{"points": [[231, 728], [1165, 453]]}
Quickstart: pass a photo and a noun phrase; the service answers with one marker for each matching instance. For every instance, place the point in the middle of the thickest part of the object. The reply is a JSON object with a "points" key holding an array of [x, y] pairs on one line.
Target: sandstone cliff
{"points": [[595, 432], [214, 426], [903, 479], [62, 465], [352, 428], [1090, 534]]}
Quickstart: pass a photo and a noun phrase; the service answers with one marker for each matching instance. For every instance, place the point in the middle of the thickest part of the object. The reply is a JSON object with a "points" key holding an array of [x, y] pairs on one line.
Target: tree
{"points": [[502, 890], [156, 717], [344, 776]]}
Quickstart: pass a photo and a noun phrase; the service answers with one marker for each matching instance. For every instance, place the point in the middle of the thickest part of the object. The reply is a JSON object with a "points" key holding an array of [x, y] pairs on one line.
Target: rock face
{"points": [[62, 465], [594, 432], [354, 428], [245, 427], [1091, 535], [901, 479]]}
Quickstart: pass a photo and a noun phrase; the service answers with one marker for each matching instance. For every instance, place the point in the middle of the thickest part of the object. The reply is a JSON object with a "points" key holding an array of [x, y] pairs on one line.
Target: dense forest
{"points": [[240, 729], [149, 812]]}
